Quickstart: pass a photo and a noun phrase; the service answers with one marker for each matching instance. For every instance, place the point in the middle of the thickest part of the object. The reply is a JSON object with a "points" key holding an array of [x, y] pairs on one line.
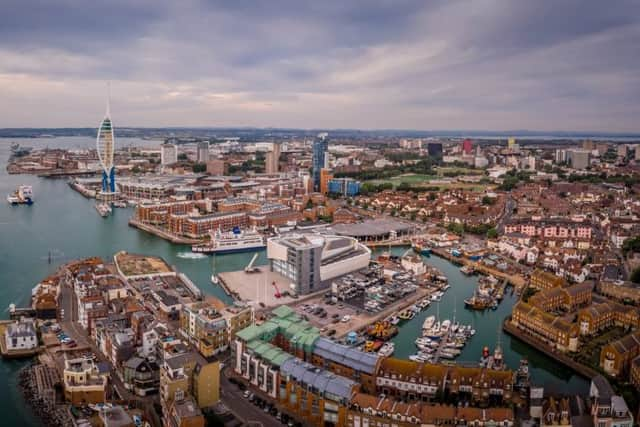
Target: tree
{"points": [[492, 233], [182, 156], [635, 276], [631, 244], [199, 167], [486, 200]]}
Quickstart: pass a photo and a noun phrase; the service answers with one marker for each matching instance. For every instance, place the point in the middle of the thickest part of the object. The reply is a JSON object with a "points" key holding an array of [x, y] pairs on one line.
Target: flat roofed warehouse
{"points": [[373, 230]]}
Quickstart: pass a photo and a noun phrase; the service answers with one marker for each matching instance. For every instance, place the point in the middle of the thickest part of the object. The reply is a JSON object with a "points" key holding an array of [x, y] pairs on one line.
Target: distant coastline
{"points": [[251, 134]]}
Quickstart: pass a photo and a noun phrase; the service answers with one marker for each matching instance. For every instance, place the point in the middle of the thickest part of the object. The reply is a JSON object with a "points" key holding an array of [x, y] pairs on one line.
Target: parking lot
{"points": [[328, 316]]}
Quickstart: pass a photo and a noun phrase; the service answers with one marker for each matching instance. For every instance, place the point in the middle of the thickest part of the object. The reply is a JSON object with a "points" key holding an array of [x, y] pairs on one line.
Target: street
{"points": [[240, 406]]}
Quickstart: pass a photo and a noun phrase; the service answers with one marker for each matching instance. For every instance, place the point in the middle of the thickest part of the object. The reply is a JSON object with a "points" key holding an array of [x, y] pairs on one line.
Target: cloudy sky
{"points": [[450, 64]]}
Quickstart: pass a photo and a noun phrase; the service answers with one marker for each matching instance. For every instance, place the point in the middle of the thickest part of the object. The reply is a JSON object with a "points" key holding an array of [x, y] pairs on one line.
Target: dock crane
{"points": [[277, 294], [250, 268]]}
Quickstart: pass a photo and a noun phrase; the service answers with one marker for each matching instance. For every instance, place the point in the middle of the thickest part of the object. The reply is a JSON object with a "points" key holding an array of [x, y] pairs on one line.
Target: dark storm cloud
{"points": [[439, 64]]}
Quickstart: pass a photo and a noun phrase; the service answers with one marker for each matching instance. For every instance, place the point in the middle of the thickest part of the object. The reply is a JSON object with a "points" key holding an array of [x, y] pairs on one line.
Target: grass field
{"points": [[418, 180], [441, 170], [409, 178]]}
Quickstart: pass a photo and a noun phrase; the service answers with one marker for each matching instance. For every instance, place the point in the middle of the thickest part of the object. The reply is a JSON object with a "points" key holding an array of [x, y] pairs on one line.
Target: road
{"points": [[509, 206], [240, 406], [69, 324]]}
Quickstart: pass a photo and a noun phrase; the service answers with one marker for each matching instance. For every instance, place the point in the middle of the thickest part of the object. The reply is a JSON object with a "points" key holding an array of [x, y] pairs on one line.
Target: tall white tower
{"points": [[105, 144]]}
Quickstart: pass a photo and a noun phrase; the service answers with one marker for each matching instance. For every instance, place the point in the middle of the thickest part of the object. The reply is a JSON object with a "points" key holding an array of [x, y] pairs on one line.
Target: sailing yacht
{"points": [[214, 276]]}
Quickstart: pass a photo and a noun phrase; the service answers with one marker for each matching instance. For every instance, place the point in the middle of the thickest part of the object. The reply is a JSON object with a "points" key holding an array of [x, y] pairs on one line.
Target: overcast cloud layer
{"points": [[476, 64]]}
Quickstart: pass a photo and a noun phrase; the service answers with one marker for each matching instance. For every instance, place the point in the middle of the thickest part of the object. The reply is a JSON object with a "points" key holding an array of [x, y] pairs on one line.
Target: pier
{"points": [[517, 280]]}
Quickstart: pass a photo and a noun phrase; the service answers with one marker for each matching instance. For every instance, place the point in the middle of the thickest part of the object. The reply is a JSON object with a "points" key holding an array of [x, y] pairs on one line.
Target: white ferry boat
{"points": [[22, 196], [235, 241]]}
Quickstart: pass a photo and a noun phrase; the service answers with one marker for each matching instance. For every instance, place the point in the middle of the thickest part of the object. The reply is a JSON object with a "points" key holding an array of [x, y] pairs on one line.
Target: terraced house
{"points": [[319, 380], [554, 331], [367, 410], [616, 357]]}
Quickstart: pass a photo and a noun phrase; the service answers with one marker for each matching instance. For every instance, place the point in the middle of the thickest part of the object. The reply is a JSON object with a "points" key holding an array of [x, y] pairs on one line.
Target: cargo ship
{"points": [[235, 241], [22, 196]]}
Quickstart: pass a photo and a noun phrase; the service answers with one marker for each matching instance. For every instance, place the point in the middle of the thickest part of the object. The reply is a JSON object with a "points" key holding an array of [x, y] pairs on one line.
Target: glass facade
{"points": [[320, 147]]}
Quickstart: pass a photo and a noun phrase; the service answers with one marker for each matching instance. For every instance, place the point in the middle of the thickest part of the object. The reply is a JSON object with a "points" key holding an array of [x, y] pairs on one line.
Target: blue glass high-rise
{"points": [[320, 147]]}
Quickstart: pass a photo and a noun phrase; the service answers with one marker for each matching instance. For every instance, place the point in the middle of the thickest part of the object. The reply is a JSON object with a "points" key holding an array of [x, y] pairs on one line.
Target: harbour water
{"points": [[544, 370], [65, 224]]}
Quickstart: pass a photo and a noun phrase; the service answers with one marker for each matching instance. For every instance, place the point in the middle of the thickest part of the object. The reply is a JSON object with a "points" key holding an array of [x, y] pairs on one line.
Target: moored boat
{"points": [[386, 350], [235, 241], [22, 196]]}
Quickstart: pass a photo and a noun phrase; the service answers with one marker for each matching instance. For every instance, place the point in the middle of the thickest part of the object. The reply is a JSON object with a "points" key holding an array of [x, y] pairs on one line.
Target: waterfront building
{"points": [[83, 382], [311, 261], [320, 148], [168, 154], [272, 159], [367, 410], [616, 357], [105, 145], [200, 226], [415, 381], [314, 394], [159, 213], [568, 299], [557, 332], [544, 280], [347, 187], [20, 335], [203, 152]]}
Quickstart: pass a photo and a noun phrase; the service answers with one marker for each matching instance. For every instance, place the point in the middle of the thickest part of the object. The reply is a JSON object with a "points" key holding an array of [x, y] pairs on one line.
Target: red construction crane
{"points": [[277, 294]]}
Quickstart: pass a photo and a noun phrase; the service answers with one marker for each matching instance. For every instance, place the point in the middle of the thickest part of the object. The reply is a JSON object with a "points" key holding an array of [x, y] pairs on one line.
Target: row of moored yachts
{"points": [[441, 340]]}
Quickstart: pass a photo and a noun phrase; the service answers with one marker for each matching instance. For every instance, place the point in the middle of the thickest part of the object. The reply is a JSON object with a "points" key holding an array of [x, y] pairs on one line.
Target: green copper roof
{"points": [[283, 311], [249, 333]]}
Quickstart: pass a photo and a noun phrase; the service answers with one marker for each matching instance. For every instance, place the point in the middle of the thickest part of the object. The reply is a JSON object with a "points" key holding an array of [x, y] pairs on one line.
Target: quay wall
{"points": [[161, 233], [514, 279], [539, 345], [89, 194]]}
